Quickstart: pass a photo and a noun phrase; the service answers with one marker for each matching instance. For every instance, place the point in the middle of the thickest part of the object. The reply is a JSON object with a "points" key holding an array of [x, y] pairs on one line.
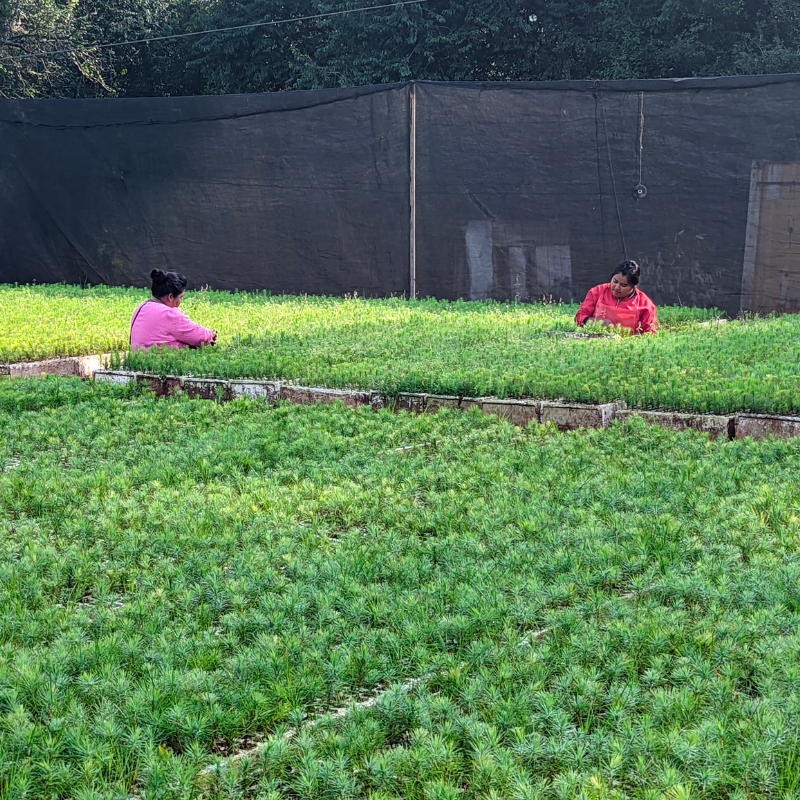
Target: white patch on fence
{"points": [[554, 271], [519, 272], [479, 259]]}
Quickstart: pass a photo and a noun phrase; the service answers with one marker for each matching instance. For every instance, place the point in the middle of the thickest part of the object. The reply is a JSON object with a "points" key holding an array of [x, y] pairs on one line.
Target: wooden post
{"points": [[412, 175]]}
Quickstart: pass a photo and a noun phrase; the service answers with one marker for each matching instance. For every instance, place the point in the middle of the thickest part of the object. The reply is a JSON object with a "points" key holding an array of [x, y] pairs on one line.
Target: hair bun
{"points": [[165, 283]]}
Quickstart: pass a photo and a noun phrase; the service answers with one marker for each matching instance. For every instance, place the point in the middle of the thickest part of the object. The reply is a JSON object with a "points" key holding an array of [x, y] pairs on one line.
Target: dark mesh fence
{"points": [[522, 190], [295, 192]]}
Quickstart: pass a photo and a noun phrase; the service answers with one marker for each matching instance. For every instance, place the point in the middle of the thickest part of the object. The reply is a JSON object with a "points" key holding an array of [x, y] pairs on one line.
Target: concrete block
{"points": [[83, 366], [123, 377], [119, 376], [88, 365], [712, 424], [172, 385], [378, 401], [153, 383], [576, 335], [52, 366], [308, 395], [437, 401], [571, 416], [518, 412], [411, 401], [762, 426], [204, 388], [471, 402], [267, 390]]}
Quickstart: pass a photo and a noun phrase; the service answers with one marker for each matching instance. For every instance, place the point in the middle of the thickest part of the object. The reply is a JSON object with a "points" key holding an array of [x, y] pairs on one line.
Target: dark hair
{"points": [[630, 269], [165, 283]]}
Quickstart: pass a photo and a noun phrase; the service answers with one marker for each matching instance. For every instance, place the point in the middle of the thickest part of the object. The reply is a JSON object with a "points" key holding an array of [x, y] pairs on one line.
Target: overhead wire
{"points": [[149, 39]]}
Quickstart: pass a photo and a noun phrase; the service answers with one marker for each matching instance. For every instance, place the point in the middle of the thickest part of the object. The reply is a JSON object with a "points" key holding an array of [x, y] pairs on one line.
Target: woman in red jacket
{"points": [[620, 302]]}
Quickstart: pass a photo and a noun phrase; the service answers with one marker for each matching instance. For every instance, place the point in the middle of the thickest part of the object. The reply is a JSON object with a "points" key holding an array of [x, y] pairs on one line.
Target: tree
{"points": [[32, 27], [498, 40], [28, 27], [434, 40]]}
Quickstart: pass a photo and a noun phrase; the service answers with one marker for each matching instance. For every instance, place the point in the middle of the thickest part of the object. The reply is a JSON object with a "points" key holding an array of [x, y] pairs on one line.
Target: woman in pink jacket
{"points": [[160, 321], [620, 302]]}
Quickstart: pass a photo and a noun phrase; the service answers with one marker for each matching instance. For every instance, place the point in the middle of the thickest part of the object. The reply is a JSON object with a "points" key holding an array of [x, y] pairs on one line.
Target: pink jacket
{"points": [[154, 323]]}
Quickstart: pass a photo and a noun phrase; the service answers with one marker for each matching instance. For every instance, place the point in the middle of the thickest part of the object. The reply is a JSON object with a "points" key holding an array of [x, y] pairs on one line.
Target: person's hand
{"points": [[213, 337]]}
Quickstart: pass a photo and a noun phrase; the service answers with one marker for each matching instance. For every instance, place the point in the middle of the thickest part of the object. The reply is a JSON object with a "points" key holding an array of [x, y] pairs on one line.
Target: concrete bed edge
{"points": [[519, 411]]}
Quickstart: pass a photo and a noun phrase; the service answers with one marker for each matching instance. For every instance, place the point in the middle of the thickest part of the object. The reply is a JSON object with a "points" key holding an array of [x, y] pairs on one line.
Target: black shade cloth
{"points": [[528, 189], [294, 192], [522, 189]]}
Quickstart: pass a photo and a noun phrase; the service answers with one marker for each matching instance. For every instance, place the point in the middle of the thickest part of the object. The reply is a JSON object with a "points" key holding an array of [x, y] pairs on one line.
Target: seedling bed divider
{"points": [[81, 366], [255, 750], [520, 412]]}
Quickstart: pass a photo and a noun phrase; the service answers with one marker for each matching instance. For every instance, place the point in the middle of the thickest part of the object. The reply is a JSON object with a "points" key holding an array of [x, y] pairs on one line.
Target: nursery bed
{"points": [[465, 349], [182, 578]]}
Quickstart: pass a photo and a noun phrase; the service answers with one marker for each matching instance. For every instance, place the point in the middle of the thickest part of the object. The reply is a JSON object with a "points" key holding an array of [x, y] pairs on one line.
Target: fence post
{"points": [[412, 176]]}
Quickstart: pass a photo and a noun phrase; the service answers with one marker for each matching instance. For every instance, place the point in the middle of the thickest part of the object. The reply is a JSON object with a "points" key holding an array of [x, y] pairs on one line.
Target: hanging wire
{"points": [[641, 134], [599, 171], [613, 181], [47, 53]]}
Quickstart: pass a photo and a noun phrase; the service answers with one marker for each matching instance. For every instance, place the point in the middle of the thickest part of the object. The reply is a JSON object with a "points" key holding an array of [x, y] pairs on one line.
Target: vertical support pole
{"points": [[412, 177]]}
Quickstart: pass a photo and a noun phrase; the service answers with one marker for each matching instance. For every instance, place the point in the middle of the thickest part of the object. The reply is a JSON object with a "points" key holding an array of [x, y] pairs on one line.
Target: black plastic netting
{"points": [[521, 189]]}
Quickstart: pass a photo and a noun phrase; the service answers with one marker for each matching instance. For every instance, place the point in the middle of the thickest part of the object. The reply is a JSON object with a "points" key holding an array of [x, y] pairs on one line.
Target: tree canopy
{"points": [[433, 40]]}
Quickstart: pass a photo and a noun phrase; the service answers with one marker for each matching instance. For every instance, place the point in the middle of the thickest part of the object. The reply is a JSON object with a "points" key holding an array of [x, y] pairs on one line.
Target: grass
{"points": [[450, 348], [457, 348], [181, 578], [38, 322], [506, 350], [43, 321]]}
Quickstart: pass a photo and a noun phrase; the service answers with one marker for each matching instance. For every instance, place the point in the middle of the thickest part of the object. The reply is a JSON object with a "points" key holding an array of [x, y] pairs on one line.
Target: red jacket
{"points": [[637, 313]]}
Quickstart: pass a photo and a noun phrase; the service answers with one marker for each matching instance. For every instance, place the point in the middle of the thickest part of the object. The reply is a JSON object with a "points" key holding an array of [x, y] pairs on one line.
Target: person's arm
{"points": [[586, 311], [188, 332], [648, 322]]}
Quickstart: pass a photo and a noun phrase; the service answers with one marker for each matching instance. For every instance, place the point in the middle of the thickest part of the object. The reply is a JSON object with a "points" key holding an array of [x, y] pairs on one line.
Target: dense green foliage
{"points": [[604, 614], [56, 320], [462, 348], [43, 321], [437, 40], [506, 350]]}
